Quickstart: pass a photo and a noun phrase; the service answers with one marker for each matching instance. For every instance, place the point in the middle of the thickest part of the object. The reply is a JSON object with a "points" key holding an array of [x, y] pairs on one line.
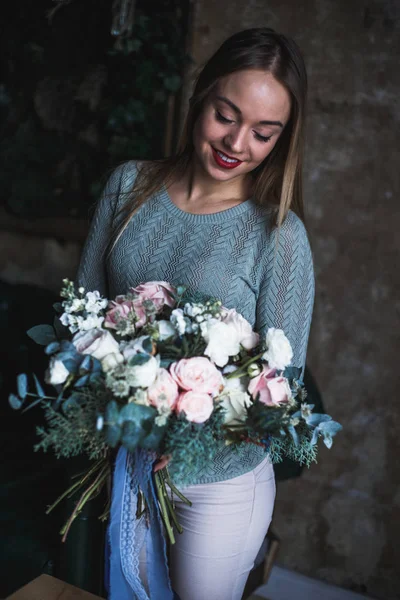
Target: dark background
{"points": [[76, 101]]}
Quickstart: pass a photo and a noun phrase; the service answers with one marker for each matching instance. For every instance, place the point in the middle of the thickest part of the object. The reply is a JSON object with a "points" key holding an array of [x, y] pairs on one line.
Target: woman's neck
{"points": [[199, 189]]}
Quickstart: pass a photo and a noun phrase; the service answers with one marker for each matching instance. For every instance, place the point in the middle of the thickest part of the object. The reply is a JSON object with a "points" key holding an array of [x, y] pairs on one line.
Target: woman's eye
{"points": [[262, 138], [221, 118]]}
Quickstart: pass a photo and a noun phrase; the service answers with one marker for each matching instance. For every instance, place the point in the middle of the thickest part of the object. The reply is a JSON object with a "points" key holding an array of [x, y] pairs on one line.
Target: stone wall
{"points": [[340, 521]]}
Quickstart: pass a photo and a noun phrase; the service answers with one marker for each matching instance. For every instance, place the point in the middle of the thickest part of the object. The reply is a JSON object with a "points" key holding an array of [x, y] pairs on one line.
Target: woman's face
{"points": [[240, 124]]}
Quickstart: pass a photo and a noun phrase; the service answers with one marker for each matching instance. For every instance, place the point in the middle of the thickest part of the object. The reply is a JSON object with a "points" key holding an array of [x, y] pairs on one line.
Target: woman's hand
{"points": [[161, 462]]}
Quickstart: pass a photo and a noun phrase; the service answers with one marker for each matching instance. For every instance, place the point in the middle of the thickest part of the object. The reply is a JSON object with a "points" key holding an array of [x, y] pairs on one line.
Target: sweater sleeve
{"points": [[92, 270], [287, 290]]}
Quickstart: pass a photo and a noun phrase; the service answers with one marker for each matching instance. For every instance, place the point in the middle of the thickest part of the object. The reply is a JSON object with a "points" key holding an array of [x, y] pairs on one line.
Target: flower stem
{"points": [[90, 491], [242, 369], [73, 488], [173, 514], [174, 489], [161, 494]]}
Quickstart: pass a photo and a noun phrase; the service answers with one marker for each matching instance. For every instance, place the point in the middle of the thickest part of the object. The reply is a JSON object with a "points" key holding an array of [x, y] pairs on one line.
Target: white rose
{"points": [[235, 402], [57, 373], [279, 351], [222, 341], [247, 337], [166, 330], [97, 342], [112, 360], [144, 375]]}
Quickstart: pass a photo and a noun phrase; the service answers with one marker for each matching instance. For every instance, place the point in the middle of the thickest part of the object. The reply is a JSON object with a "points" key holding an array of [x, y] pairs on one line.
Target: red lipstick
{"points": [[223, 163]]}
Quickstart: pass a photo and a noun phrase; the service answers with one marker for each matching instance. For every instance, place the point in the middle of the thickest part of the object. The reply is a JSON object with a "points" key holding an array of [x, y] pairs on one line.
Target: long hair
{"points": [[278, 179]]}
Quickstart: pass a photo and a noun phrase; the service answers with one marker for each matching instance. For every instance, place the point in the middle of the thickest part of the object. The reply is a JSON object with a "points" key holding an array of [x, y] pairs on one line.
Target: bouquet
{"points": [[161, 371]]}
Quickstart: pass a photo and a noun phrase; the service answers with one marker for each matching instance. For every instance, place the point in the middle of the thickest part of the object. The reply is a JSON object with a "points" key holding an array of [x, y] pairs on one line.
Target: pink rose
{"points": [[140, 313], [164, 391], [272, 390], [159, 292], [197, 374], [119, 310], [196, 406]]}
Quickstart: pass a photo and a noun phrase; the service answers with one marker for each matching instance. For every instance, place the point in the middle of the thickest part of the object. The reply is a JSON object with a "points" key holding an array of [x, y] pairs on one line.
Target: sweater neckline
{"points": [[217, 217]]}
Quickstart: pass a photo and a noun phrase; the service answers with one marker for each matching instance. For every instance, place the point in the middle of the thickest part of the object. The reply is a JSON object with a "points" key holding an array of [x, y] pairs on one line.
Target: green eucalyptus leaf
{"points": [[147, 345], [113, 435], [136, 413], [293, 434], [153, 440], [62, 332], [15, 402], [139, 359], [52, 348], [22, 385], [292, 373], [42, 334], [39, 389], [314, 420], [131, 435]]}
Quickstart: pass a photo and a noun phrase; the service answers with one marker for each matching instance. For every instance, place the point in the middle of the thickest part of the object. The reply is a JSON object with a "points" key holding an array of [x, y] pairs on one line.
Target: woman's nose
{"points": [[236, 140]]}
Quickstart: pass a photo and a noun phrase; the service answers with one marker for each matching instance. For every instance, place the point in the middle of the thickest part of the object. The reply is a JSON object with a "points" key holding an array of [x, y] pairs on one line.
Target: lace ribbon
{"points": [[126, 534]]}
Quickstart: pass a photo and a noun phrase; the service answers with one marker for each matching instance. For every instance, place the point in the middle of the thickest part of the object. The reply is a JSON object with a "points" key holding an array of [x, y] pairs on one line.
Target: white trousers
{"points": [[223, 532]]}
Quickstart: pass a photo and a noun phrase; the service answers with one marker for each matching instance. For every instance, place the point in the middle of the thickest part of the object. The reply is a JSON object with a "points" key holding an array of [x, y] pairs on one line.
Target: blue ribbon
{"points": [[126, 534]]}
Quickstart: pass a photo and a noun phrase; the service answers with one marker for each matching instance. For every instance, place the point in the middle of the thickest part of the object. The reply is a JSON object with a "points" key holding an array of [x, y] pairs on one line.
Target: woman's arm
{"points": [[92, 272], [286, 297]]}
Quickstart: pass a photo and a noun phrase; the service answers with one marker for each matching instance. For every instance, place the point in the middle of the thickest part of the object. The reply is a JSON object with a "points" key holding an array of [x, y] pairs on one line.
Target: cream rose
{"points": [[97, 342], [234, 401], [111, 361], [197, 374], [134, 347], [197, 407]]}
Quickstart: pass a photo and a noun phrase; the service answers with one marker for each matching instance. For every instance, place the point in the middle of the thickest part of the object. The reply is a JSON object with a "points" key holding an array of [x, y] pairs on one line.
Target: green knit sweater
{"points": [[231, 255]]}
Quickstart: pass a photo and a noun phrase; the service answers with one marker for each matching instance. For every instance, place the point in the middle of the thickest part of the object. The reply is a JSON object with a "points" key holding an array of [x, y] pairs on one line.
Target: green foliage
{"points": [[303, 453], [193, 445], [42, 334], [148, 67], [72, 431], [74, 108]]}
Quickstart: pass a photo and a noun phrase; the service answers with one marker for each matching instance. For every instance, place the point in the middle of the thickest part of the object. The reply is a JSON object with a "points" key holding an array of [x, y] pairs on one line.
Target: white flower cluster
{"points": [[194, 314], [82, 313]]}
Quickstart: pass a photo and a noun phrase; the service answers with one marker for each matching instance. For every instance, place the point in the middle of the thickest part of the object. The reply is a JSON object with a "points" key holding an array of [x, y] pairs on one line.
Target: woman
{"points": [[225, 218]]}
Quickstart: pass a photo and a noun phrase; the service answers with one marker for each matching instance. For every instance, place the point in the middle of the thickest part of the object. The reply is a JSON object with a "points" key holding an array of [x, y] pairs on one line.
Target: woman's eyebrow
{"points": [[239, 112]]}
